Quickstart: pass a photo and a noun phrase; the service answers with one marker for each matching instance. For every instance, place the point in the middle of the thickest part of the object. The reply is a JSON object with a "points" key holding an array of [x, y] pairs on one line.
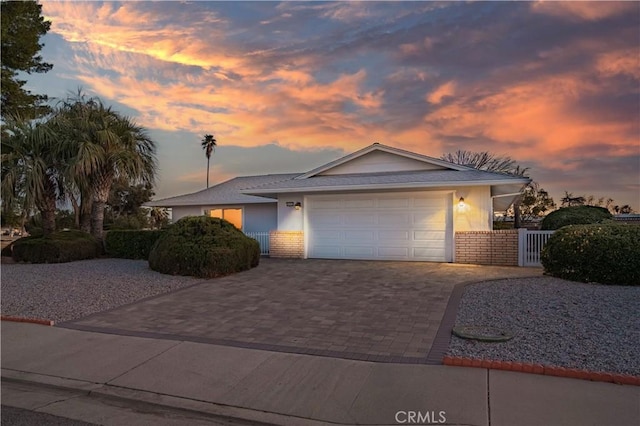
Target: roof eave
{"points": [[410, 185]]}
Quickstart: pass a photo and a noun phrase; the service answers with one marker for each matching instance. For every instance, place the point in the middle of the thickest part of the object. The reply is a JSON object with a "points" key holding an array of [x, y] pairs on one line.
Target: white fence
{"points": [[530, 244], [263, 239]]}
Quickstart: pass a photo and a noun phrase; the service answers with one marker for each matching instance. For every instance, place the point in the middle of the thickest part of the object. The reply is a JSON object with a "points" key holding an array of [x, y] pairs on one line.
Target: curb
{"points": [[28, 320], [521, 367]]}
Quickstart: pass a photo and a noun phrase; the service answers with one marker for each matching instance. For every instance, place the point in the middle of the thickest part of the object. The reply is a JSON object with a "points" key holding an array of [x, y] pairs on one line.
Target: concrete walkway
{"points": [[293, 389]]}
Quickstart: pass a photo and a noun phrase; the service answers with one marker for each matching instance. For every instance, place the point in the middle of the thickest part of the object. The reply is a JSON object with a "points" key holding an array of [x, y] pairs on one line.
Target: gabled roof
{"points": [[383, 148], [393, 180], [225, 193]]}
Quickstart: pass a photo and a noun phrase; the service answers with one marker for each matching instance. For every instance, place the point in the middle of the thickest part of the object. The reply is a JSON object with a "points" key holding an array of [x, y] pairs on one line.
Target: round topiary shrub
{"points": [[601, 253], [204, 247], [577, 215], [58, 247]]}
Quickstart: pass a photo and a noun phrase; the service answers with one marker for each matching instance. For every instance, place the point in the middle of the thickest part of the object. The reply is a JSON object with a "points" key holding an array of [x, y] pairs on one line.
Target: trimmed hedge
{"points": [[576, 215], [59, 247], [130, 244], [205, 247], [601, 253]]}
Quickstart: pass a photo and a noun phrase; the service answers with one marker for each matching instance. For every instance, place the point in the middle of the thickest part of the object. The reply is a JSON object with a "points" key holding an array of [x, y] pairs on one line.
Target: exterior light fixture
{"points": [[461, 203], [298, 205]]}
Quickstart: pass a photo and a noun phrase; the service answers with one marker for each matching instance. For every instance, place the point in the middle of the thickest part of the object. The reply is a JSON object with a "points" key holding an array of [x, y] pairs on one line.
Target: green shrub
{"points": [[59, 247], [130, 244], [7, 250], [203, 247], [577, 215], [602, 253]]}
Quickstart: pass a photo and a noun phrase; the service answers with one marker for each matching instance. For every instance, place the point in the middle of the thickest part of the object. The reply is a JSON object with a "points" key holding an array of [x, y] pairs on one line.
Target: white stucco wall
{"points": [[260, 217], [378, 161], [182, 211], [476, 214], [290, 219]]}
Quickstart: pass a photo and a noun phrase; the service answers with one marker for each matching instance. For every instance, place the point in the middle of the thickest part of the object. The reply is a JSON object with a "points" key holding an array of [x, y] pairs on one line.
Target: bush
{"points": [[131, 244], [7, 250], [606, 254], [59, 247], [577, 215], [203, 247]]}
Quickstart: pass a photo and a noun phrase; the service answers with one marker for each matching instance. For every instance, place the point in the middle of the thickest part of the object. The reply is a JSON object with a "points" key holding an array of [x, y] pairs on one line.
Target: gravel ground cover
{"points": [[555, 322], [65, 291]]}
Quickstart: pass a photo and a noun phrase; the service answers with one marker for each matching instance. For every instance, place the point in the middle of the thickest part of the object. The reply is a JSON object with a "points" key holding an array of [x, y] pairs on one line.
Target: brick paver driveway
{"points": [[377, 311]]}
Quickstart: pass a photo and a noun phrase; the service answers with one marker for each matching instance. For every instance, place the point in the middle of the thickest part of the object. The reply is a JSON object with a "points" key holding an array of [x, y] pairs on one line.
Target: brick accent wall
{"points": [[487, 247], [286, 244]]}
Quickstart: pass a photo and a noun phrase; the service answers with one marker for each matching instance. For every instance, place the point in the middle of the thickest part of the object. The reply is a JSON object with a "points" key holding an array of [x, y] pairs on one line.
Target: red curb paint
{"points": [[608, 377], [27, 320], [538, 369], [573, 373], [549, 370]]}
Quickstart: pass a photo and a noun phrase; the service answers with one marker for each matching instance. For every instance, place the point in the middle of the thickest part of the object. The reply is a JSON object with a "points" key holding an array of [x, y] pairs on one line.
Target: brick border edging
{"points": [[27, 320], [522, 367]]}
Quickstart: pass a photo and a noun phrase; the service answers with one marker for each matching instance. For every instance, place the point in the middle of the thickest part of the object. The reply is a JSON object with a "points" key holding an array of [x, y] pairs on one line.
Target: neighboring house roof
{"points": [[224, 193], [392, 180]]}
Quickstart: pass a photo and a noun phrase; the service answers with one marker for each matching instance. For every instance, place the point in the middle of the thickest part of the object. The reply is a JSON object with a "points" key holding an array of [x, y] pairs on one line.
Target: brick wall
{"points": [[487, 247], [286, 244]]}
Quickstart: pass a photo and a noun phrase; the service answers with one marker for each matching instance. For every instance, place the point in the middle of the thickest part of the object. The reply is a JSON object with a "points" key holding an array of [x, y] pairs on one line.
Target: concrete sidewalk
{"points": [[292, 389]]}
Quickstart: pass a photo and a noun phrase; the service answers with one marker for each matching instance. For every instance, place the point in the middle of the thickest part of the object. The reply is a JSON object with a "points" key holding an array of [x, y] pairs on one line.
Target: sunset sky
{"points": [[286, 87]]}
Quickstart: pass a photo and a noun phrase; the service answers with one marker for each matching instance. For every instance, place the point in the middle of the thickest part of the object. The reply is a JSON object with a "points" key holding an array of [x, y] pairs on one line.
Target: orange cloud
{"points": [[446, 89], [584, 10]]}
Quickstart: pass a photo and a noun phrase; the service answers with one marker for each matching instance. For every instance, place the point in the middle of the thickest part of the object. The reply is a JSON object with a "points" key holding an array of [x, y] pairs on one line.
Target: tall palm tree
{"points": [[106, 146], [31, 168], [209, 144]]}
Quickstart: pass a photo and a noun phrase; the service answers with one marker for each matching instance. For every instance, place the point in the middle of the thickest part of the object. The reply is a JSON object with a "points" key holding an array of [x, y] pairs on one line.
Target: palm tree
{"points": [[209, 144], [31, 169], [106, 146]]}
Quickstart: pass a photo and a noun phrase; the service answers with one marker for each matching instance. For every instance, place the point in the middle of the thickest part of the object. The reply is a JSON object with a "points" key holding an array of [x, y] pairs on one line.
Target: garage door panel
{"points": [[355, 219], [358, 204], [329, 235], [359, 252], [326, 252], [399, 252], [398, 226], [429, 235], [393, 235], [325, 204], [394, 219], [360, 236], [327, 220], [428, 253], [394, 203]]}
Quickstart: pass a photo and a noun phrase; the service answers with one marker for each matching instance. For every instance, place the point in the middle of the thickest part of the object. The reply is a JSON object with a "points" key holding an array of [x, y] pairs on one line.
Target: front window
{"points": [[231, 215]]}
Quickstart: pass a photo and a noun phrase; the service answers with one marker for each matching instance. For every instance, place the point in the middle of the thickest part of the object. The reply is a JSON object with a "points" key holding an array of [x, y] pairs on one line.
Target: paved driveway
{"points": [[377, 311]]}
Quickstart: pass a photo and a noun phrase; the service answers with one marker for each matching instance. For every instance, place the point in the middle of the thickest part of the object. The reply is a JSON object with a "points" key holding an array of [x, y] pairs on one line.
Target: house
{"points": [[377, 203]]}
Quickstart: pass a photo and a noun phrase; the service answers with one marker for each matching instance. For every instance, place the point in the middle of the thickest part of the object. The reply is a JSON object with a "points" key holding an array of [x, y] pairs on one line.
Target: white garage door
{"points": [[393, 226]]}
